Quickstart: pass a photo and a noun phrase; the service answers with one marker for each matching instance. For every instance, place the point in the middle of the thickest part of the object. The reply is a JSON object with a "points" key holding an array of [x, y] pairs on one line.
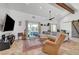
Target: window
{"points": [[33, 29], [53, 28]]}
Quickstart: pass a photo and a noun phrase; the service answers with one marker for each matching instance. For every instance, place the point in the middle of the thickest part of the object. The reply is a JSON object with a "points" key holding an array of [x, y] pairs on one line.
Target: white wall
{"points": [[66, 22], [66, 26]]}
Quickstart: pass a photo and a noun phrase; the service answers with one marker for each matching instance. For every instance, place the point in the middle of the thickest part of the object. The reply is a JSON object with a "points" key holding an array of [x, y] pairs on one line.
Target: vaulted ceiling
{"points": [[42, 9]]}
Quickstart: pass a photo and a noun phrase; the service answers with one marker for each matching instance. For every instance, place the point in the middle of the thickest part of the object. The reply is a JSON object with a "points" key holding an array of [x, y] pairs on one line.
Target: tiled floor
{"points": [[34, 47]]}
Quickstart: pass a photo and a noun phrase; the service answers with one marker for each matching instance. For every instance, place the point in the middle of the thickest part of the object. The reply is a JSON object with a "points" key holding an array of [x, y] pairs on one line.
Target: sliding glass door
{"points": [[53, 28]]}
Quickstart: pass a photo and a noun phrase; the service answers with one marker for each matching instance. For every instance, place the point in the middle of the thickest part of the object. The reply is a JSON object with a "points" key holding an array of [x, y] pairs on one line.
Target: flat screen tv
{"points": [[9, 23]]}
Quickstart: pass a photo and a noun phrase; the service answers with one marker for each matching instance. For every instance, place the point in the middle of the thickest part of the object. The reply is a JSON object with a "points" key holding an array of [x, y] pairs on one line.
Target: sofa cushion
{"points": [[51, 38]]}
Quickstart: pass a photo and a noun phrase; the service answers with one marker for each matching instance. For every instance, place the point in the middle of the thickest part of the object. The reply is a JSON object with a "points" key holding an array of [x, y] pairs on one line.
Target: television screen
{"points": [[9, 24]]}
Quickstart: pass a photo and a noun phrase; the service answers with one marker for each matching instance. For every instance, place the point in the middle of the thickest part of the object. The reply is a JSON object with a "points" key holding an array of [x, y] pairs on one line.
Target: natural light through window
{"points": [[53, 28]]}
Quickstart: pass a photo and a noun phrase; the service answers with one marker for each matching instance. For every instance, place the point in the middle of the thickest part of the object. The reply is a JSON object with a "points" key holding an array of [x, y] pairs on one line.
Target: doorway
{"points": [[33, 29]]}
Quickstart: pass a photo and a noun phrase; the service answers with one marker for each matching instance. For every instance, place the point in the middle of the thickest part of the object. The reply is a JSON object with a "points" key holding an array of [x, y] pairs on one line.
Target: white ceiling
{"points": [[75, 6], [41, 9]]}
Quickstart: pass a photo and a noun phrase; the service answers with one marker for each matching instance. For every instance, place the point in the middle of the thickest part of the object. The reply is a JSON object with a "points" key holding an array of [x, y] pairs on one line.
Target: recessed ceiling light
{"points": [[40, 7]]}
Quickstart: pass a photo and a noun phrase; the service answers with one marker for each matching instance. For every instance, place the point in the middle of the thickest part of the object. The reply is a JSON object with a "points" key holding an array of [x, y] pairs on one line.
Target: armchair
{"points": [[51, 47]]}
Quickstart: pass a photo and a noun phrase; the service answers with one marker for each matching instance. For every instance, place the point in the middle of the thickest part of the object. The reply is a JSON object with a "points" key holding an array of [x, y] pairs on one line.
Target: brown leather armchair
{"points": [[51, 47]]}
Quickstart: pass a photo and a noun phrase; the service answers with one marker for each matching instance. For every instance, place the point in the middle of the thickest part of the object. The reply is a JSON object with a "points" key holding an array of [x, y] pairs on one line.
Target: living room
{"points": [[31, 28]]}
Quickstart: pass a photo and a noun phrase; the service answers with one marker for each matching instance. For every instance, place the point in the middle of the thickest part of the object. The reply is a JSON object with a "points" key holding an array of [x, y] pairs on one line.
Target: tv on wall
{"points": [[9, 24]]}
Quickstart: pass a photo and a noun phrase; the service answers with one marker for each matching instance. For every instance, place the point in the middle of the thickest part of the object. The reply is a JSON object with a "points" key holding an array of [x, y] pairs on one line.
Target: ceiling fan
{"points": [[51, 18]]}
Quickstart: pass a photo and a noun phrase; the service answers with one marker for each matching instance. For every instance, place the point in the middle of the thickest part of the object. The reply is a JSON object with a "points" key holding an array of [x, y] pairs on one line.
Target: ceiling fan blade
{"points": [[51, 18]]}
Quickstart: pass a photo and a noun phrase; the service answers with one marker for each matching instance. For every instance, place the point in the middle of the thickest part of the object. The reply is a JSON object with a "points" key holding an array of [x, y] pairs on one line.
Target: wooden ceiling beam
{"points": [[63, 5]]}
